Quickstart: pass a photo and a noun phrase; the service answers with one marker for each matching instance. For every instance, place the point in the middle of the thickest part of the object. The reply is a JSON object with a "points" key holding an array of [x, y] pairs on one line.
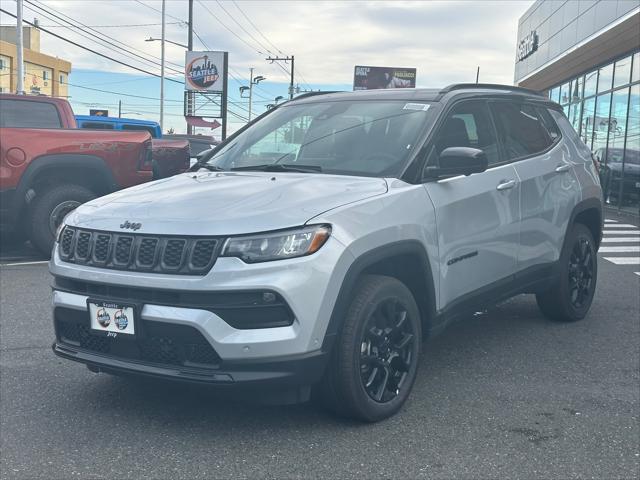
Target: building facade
{"points": [[43, 74], [585, 55]]}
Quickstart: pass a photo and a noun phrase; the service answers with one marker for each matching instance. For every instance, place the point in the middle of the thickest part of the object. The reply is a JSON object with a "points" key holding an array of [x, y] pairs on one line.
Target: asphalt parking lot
{"points": [[504, 394]]}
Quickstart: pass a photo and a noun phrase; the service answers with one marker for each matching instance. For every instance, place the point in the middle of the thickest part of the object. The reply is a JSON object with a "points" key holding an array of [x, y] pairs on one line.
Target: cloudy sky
{"points": [[444, 40]]}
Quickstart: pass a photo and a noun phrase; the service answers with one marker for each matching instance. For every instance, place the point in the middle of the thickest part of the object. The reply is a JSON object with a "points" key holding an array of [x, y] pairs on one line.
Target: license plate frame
{"points": [[115, 326]]}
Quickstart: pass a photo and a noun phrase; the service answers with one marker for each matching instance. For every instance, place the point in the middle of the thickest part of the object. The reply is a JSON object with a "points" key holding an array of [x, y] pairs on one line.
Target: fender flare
{"points": [[369, 258], [56, 161], [582, 206]]}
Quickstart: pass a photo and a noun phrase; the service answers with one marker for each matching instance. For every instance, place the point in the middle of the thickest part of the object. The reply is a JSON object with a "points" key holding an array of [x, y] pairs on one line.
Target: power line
{"points": [[119, 26], [228, 29], [120, 62], [257, 29], [71, 21], [261, 45], [159, 11]]}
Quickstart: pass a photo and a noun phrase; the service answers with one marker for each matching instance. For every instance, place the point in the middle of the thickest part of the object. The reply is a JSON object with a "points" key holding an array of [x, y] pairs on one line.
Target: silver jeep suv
{"points": [[311, 252]]}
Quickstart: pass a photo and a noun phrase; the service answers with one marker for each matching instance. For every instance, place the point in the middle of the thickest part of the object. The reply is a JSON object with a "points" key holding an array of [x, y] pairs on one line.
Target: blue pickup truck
{"points": [[114, 123]]}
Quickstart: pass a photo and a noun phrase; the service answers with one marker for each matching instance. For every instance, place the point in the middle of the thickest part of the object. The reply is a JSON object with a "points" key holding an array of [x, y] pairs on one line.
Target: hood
{"points": [[225, 203]]}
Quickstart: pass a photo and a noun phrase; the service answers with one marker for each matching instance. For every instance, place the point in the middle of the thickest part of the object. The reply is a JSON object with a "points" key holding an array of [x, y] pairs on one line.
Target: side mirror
{"points": [[456, 161]]}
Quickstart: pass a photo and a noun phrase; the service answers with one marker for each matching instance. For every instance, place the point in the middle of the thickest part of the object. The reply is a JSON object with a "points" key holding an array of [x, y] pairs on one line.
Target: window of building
{"points": [[2, 67], [28, 114], [622, 72], [605, 78], [635, 74], [565, 93], [586, 124], [62, 79], [577, 90], [602, 121], [590, 83], [554, 94], [520, 129], [45, 75]]}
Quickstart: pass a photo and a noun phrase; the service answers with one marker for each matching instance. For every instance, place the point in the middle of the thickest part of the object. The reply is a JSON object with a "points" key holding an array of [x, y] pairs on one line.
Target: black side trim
{"points": [[405, 247], [584, 205]]}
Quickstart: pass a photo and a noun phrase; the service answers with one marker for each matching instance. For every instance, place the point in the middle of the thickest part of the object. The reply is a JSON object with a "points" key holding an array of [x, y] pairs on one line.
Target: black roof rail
{"points": [[495, 86], [313, 94]]}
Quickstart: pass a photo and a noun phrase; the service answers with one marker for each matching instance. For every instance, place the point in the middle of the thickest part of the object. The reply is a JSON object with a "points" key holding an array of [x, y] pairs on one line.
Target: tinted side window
{"points": [[139, 128], [520, 129], [468, 125], [28, 114], [549, 123], [97, 126]]}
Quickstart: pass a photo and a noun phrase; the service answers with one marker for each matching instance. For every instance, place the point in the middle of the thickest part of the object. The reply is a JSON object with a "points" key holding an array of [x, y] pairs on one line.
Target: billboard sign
{"points": [[204, 71], [371, 78]]}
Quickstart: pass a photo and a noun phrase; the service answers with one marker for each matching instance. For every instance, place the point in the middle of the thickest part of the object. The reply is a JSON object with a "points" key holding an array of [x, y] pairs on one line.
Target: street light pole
{"points": [[164, 6], [20, 42], [190, 48]]}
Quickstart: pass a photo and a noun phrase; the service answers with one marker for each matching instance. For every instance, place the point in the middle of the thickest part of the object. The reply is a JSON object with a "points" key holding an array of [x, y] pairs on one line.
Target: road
{"points": [[503, 394]]}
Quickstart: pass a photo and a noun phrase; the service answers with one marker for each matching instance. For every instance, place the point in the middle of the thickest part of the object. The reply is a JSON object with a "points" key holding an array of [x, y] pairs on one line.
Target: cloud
{"points": [[445, 41]]}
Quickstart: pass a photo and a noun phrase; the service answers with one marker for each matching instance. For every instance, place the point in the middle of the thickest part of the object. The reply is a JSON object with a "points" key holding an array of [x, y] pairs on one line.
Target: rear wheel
{"points": [[569, 299], [50, 208], [375, 359]]}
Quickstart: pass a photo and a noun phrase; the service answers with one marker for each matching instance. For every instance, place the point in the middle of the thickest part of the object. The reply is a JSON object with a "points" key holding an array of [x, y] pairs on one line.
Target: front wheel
{"points": [[49, 210], [569, 299], [375, 359]]}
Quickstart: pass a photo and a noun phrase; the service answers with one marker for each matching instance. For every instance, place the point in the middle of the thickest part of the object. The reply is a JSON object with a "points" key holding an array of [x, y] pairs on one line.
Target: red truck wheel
{"points": [[50, 208]]}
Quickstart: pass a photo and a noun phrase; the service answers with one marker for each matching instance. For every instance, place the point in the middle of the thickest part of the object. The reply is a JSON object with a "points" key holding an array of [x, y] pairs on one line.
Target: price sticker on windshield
{"points": [[423, 107]]}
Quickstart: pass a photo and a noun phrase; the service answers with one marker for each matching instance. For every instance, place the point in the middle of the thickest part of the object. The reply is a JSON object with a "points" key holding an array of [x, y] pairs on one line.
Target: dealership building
{"points": [[585, 55]]}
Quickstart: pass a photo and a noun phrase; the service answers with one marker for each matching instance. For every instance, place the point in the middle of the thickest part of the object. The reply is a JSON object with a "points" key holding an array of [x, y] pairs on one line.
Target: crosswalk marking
{"points": [[620, 249], [635, 239], [621, 232], [606, 220], [624, 260], [637, 273], [621, 225]]}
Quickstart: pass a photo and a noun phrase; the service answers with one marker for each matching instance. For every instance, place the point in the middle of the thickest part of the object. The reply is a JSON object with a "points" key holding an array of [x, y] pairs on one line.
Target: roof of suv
{"points": [[423, 94]]}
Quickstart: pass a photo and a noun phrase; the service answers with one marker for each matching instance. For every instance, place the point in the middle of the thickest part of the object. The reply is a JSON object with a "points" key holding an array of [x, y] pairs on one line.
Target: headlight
{"points": [[277, 245]]}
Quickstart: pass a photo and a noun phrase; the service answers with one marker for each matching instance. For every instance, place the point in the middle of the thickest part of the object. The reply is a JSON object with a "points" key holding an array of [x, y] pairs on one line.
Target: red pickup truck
{"points": [[48, 167]]}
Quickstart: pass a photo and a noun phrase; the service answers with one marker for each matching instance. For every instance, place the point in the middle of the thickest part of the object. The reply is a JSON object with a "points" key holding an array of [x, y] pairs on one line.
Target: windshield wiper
{"points": [[280, 167], [212, 168]]}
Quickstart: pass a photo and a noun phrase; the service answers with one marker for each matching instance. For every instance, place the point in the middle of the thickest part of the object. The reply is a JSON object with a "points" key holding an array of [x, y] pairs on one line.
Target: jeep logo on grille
{"points": [[131, 225]]}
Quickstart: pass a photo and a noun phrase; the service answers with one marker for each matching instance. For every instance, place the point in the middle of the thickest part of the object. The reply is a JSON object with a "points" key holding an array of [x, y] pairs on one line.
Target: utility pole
{"points": [[477, 74], [164, 6], [20, 82], [190, 48], [250, 90], [119, 108], [285, 60]]}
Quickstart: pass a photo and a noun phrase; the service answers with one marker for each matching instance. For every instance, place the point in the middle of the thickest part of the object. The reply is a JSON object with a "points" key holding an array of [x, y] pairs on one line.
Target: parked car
{"points": [[197, 144], [95, 122], [49, 167], [619, 174], [317, 268]]}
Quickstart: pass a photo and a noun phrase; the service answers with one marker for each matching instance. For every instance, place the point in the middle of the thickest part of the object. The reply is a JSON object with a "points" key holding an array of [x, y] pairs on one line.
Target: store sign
{"points": [[204, 71], [371, 78], [98, 112], [527, 46]]}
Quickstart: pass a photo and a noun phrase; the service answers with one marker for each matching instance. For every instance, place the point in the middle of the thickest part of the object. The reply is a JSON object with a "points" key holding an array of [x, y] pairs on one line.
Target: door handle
{"points": [[506, 185], [563, 168]]}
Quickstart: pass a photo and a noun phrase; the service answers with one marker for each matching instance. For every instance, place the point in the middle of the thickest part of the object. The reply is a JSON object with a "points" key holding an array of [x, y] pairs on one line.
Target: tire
{"points": [[49, 209], [571, 295], [358, 357]]}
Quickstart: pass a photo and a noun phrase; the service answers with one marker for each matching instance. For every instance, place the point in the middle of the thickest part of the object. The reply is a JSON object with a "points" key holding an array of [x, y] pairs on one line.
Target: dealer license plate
{"points": [[111, 318]]}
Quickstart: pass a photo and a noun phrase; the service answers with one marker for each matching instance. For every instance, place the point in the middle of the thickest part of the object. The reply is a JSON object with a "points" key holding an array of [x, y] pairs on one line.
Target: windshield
{"points": [[365, 138]]}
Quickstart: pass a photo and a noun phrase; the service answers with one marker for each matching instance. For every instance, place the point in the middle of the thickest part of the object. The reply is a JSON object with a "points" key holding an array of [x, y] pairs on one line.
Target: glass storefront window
{"points": [[554, 94], [605, 78], [574, 116], [601, 123], [635, 74], [590, 83], [622, 72], [612, 158], [577, 90], [565, 93], [586, 128]]}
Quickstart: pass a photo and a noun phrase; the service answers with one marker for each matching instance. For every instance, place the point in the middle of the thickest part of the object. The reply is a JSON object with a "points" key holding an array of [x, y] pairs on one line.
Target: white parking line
{"points": [[606, 220], [621, 249], [621, 232], [624, 260], [621, 225], [637, 273], [629, 239], [40, 262]]}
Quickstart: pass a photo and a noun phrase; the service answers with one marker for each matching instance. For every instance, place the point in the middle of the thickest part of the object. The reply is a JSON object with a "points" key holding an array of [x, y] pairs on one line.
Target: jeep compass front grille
{"points": [[139, 252]]}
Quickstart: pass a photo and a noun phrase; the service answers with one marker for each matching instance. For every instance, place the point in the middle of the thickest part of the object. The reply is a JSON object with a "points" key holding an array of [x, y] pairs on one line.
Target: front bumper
{"points": [[290, 354]]}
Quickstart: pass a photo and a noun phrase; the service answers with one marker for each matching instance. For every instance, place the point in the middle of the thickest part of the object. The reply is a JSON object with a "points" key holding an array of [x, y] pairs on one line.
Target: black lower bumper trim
{"points": [[293, 371]]}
